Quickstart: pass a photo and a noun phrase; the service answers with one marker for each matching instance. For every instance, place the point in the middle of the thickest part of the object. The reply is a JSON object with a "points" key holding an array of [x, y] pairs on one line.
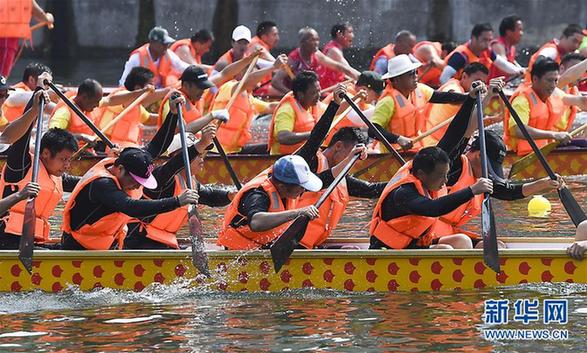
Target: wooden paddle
{"points": [[81, 115], [529, 159], [282, 248], [233, 98], [114, 121], [41, 25], [199, 257], [27, 239], [378, 133], [488, 230], [571, 206], [289, 72]]}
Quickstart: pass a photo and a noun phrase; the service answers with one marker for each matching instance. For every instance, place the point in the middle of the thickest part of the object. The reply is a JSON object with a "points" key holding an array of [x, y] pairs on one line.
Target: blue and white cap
{"points": [[294, 170]]}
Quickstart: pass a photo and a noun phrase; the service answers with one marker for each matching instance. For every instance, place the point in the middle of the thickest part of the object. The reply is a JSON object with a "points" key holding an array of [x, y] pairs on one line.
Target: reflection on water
{"points": [[179, 319]]}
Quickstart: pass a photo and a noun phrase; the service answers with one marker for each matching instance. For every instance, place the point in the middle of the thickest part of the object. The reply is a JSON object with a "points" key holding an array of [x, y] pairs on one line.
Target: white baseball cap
{"points": [[293, 169], [399, 65], [241, 32]]}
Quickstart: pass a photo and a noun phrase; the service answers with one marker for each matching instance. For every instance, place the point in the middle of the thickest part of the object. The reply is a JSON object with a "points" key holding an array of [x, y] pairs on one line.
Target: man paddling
{"points": [[511, 31], [404, 44], [109, 194], [191, 50], [541, 106], [241, 37], [342, 35], [57, 147]]}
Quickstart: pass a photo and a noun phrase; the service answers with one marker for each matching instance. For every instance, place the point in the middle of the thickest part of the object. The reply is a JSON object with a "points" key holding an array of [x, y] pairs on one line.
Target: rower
{"points": [[88, 97], [157, 57], [399, 113], [295, 116], [57, 147], [437, 113], [266, 40], [541, 106], [465, 168], [413, 200], [23, 91], [241, 37], [404, 44], [431, 55], [109, 194], [569, 41], [342, 38], [235, 134], [128, 131], [192, 49], [511, 30], [14, 26], [476, 50], [572, 69], [577, 249], [160, 231], [307, 57]]}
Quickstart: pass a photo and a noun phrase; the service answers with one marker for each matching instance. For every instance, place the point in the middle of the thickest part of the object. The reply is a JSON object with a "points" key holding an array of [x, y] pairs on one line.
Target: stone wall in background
{"points": [[113, 24]]}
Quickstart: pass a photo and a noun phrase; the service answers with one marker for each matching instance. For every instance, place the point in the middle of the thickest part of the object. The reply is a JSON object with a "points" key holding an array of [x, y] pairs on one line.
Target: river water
{"points": [[179, 319]]}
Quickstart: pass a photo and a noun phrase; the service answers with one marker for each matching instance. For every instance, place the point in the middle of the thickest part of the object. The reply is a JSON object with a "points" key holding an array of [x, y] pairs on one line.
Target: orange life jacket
{"points": [[191, 112], [438, 113], [543, 116], [188, 43], [161, 70], [398, 233], [15, 18], [234, 134], [304, 121], [101, 234], [510, 55], [256, 41], [330, 212], [14, 111], [429, 74], [76, 124], [45, 203], [470, 57], [127, 131], [408, 116], [551, 44], [165, 226], [452, 222], [243, 238], [386, 51], [228, 57]]}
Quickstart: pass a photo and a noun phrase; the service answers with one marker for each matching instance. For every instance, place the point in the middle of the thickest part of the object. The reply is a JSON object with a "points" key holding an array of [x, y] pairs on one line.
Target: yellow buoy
{"points": [[539, 206]]}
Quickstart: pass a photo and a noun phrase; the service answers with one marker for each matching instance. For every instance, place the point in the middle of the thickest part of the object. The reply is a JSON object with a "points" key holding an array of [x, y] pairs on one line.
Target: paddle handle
{"points": [[41, 25], [432, 130], [241, 83], [344, 113], [38, 136], [81, 115], [481, 127], [289, 72], [184, 147], [123, 113], [526, 134], [337, 180], [231, 171], [378, 133]]}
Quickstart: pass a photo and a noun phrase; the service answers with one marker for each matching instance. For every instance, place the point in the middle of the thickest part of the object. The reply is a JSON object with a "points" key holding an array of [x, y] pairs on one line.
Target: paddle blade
{"points": [[199, 256], [572, 206], [282, 248], [27, 240], [490, 253], [528, 160]]}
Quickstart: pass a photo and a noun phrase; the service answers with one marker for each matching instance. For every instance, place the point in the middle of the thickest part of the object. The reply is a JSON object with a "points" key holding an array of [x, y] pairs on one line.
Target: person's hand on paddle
{"points": [[40, 94], [174, 101], [362, 95], [49, 19], [547, 183], [495, 85], [114, 152], [339, 92], [563, 137], [188, 197], [29, 191], [577, 250], [482, 186], [45, 76], [221, 115], [280, 62], [208, 134], [476, 88], [308, 211], [89, 139], [359, 149], [405, 143]]}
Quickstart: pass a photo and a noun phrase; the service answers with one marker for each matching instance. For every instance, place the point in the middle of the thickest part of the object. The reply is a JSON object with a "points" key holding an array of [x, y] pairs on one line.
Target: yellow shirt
{"points": [[439, 113], [225, 92], [385, 108], [60, 118], [112, 112], [285, 119], [3, 120]]}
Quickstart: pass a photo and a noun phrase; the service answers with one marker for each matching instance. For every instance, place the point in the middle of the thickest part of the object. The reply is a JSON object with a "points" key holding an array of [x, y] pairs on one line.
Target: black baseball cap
{"points": [[371, 79], [160, 34], [496, 151], [4, 85], [196, 75], [139, 164]]}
